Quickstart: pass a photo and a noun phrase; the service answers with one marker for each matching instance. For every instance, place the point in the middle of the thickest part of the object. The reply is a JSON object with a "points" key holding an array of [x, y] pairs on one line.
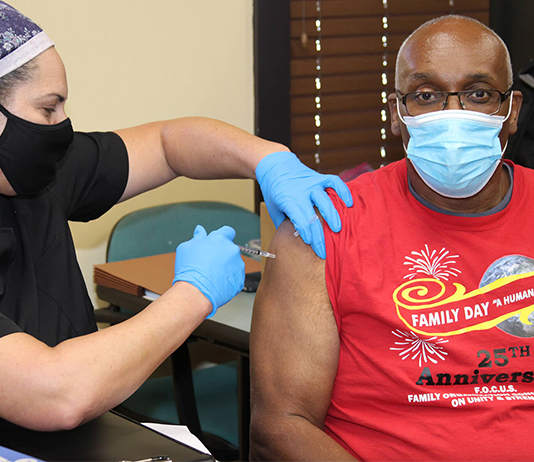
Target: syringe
{"points": [[257, 252]]}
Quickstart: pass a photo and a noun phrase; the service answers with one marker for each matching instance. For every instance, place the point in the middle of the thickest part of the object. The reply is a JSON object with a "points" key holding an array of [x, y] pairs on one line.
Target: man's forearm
{"points": [[56, 388], [292, 438]]}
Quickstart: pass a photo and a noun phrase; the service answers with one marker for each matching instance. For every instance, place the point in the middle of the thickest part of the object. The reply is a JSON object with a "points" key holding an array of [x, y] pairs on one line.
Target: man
{"points": [[413, 341], [56, 370]]}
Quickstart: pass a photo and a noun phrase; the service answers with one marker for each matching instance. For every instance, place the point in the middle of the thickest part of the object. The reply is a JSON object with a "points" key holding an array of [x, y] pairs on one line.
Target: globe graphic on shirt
{"points": [[508, 266]]}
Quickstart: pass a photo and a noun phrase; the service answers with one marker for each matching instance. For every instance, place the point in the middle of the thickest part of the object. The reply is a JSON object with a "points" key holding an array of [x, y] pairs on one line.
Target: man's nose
{"points": [[453, 102]]}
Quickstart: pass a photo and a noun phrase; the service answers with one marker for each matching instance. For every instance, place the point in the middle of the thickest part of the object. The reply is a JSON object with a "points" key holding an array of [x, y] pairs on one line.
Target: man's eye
{"points": [[479, 96], [425, 97]]}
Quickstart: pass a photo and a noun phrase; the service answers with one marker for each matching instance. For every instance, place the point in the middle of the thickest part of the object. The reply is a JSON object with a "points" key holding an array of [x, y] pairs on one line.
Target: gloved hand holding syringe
{"points": [[212, 263]]}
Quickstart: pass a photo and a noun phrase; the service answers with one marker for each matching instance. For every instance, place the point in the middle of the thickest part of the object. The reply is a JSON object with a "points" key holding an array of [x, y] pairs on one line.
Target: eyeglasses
{"points": [[421, 102]]}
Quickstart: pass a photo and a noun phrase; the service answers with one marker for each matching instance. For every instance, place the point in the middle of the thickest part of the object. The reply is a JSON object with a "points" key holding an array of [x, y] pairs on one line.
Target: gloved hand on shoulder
{"points": [[212, 263], [291, 189]]}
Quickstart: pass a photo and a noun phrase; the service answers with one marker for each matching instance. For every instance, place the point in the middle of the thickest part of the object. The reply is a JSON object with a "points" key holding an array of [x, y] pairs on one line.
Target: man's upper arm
{"points": [[294, 347]]}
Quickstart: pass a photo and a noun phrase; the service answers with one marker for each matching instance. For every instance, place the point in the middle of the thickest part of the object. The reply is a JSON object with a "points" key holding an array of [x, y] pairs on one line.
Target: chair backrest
{"points": [[159, 229]]}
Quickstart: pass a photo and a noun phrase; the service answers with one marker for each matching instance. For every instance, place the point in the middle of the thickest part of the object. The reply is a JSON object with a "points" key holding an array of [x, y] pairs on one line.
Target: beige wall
{"points": [[132, 61]]}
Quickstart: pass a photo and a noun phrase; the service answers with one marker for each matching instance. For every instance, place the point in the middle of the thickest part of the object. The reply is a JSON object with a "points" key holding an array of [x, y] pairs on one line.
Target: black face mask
{"points": [[29, 152]]}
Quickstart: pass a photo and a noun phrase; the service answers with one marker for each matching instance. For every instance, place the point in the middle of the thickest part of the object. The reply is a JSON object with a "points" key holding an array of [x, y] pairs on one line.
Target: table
{"points": [[110, 437], [228, 328]]}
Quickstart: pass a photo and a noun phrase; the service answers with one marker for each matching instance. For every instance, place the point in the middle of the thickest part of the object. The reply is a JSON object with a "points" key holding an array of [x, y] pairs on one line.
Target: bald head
{"points": [[453, 45]]}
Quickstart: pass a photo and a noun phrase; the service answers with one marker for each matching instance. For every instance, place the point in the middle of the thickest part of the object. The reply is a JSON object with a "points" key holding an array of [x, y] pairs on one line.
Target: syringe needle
{"points": [[314, 218], [261, 253]]}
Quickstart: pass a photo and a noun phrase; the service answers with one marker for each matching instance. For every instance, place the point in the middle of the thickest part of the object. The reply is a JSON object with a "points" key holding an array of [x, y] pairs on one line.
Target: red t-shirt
{"points": [[436, 349]]}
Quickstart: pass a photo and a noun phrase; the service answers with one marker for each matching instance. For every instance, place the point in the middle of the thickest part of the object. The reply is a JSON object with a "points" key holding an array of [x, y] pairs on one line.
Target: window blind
{"points": [[340, 76]]}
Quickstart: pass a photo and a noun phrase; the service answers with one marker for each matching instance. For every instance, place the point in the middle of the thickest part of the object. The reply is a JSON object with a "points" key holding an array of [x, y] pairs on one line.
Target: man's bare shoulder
{"points": [[296, 268]]}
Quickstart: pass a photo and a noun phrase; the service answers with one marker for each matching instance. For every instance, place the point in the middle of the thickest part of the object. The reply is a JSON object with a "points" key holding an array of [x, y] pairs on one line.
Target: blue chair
{"points": [[161, 228], [205, 400]]}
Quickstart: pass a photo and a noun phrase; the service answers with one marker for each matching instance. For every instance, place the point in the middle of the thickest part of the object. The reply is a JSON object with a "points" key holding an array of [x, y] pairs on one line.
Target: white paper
{"points": [[179, 433]]}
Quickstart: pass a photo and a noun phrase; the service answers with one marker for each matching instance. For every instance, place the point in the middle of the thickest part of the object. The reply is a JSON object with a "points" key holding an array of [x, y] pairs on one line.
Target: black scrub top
{"points": [[42, 290]]}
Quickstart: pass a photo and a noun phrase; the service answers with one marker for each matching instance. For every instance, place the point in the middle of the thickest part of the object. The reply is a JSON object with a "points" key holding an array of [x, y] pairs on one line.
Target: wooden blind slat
{"points": [[337, 84], [338, 46], [344, 65], [336, 8], [436, 7], [337, 120], [336, 27], [333, 8], [393, 147], [331, 103], [373, 25], [331, 139]]}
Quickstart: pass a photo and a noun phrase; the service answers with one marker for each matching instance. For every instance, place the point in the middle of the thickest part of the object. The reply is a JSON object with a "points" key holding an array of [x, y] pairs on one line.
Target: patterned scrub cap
{"points": [[21, 39]]}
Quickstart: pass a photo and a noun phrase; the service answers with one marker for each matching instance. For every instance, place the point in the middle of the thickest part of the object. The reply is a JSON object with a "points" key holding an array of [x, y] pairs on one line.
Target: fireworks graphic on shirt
{"points": [[435, 264], [410, 346]]}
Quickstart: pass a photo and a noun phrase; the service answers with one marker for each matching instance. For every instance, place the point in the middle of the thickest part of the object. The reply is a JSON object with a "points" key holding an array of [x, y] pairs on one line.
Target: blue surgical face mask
{"points": [[455, 152]]}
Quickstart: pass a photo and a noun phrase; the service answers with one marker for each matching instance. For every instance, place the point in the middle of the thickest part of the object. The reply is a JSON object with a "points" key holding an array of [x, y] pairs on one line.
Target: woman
{"points": [[56, 370]]}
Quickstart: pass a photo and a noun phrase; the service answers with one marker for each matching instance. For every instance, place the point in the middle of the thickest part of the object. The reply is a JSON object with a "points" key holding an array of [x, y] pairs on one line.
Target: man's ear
{"points": [[392, 103], [517, 100]]}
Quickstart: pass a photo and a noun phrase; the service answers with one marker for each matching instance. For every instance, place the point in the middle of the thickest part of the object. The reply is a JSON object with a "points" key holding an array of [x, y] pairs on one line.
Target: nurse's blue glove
{"points": [[213, 264], [291, 189]]}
